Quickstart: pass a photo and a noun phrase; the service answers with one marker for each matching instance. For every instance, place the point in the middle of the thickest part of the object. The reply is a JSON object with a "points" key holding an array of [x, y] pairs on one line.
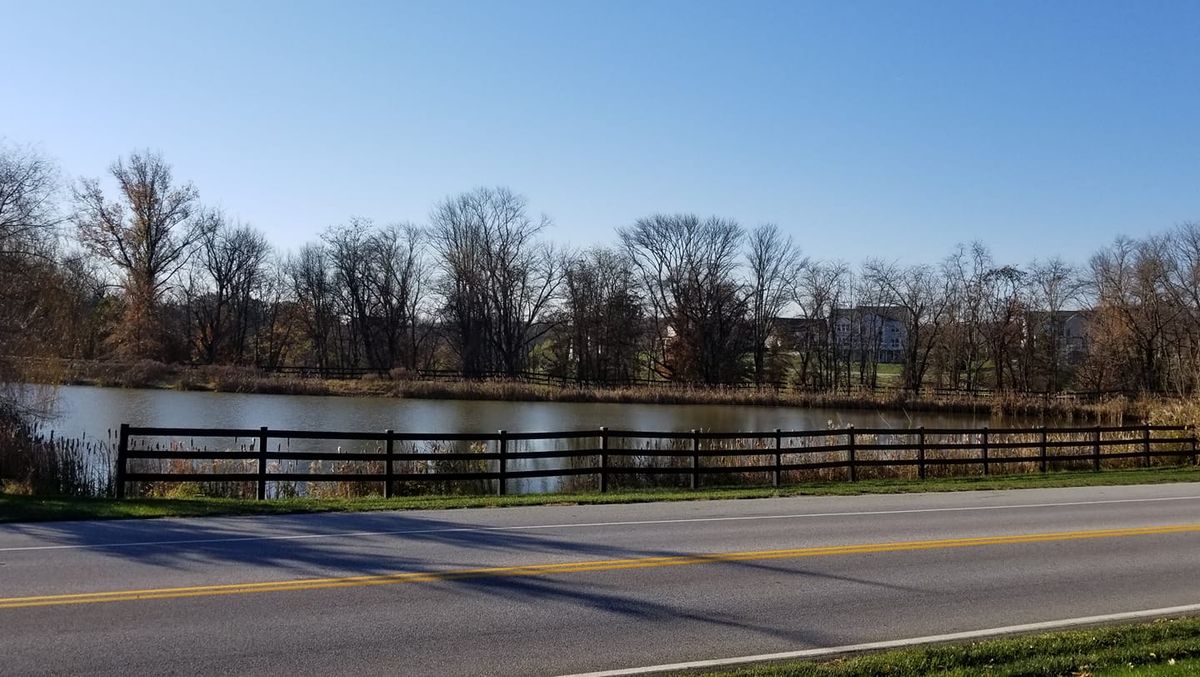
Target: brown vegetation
{"points": [[480, 289], [222, 378], [679, 305]]}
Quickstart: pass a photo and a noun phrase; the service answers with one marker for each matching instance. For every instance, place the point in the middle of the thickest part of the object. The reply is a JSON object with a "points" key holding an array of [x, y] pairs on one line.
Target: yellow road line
{"points": [[578, 567]]}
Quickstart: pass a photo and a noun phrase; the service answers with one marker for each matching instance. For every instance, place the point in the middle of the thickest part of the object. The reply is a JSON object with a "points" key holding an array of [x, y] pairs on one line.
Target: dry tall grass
{"points": [[35, 462]]}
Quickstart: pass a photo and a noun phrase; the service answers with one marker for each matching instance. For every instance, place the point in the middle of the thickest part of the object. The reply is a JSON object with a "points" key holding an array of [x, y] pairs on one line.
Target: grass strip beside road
{"points": [[18, 508], [1162, 647]]}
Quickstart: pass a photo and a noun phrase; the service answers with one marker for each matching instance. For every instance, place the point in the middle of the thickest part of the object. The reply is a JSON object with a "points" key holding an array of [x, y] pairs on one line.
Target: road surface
{"points": [[575, 589]]}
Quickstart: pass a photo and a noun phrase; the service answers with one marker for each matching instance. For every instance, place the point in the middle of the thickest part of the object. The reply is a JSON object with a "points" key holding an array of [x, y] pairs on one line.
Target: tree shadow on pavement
{"points": [[301, 546]]}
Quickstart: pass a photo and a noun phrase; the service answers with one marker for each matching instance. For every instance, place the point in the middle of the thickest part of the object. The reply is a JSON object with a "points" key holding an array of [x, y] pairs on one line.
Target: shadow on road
{"points": [[304, 546]]}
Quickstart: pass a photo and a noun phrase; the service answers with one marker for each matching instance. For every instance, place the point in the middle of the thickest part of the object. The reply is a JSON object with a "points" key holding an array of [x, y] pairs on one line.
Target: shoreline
{"points": [[226, 379]]}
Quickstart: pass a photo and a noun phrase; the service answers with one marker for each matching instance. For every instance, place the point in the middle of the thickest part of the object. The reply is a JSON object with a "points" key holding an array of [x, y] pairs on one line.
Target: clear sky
{"points": [[863, 128]]}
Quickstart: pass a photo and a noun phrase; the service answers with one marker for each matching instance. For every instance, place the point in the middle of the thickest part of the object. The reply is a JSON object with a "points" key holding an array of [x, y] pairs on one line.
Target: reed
{"points": [[35, 462], [369, 486]]}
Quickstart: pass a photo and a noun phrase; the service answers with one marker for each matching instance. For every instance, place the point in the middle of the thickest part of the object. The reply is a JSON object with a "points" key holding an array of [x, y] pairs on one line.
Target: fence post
{"points": [[501, 489], [1146, 445], [262, 463], [850, 439], [389, 472], [122, 452], [603, 459], [1194, 445], [985, 450], [1096, 449], [695, 482], [778, 456], [1042, 450], [921, 452]]}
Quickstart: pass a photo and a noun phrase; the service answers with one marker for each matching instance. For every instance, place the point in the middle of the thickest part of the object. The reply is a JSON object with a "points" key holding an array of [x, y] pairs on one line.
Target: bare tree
{"points": [[226, 275], [1183, 284], [821, 289], [962, 351], [31, 281], [147, 233], [459, 243], [278, 317], [1129, 279], [313, 288], [688, 267], [921, 294], [49, 299], [604, 317], [984, 316], [28, 210], [398, 283], [772, 262], [1054, 285], [1006, 305], [349, 256], [498, 278]]}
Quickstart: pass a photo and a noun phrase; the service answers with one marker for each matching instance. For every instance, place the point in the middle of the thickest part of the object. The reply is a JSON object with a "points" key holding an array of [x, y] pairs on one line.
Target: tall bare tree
{"points": [[228, 272], [278, 317], [604, 317], [398, 284], [147, 234], [1130, 279], [348, 248], [312, 287], [28, 211], [821, 289], [1054, 285], [28, 269], [688, 269], [920, 292], [498, 278], [962, 352], [773, 263], [1183, 284]]}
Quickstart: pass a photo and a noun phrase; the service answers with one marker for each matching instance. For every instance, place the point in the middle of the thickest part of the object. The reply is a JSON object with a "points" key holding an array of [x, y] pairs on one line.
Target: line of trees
{"points": [[136, 267]]}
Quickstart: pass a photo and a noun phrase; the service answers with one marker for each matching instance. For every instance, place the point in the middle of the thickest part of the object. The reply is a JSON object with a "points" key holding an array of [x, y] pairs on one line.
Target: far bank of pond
{"points": [[241, 380], [96, 411]]}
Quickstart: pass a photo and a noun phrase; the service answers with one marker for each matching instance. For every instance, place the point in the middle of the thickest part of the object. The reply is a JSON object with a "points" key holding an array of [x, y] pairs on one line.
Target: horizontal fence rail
{"points": [[168, 455]]}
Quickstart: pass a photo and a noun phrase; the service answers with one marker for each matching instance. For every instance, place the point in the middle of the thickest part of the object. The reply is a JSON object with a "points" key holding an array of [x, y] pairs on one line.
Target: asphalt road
{"points": [[561, 589]]}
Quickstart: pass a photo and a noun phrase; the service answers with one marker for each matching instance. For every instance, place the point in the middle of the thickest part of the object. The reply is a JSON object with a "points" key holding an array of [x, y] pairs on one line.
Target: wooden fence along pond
{"points": [[399, 463]]}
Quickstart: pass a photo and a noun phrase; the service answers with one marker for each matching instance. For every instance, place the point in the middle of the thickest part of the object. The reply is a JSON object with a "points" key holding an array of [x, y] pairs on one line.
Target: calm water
{"points": [[98, 412], [95, 411]]}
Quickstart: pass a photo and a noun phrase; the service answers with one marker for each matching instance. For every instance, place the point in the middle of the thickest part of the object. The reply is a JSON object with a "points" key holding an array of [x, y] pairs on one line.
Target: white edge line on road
{"points": [[581, 525], [897, 643]]}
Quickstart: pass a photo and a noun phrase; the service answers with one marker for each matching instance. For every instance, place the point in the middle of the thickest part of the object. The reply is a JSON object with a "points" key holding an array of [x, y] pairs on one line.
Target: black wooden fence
{"points": [[691, 454]]}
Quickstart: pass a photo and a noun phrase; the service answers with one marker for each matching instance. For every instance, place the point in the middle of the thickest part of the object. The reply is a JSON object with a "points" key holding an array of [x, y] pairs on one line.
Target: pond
{"points": [[98, 412], [95, 411]]}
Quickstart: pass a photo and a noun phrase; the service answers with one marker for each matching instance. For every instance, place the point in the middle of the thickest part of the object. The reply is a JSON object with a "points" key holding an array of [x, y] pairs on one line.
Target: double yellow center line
{"points": [[578, 567]]}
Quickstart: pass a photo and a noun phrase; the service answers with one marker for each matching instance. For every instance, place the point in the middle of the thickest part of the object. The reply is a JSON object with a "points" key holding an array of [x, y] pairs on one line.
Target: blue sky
{"points": [[863, 128]]}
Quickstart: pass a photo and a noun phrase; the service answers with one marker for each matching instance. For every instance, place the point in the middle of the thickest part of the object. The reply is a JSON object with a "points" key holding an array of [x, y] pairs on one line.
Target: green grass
{"points": [[17, 508], [1140, 649], [1177, 669]]}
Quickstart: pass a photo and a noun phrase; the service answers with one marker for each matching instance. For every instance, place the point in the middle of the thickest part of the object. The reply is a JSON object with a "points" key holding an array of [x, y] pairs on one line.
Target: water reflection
{"points": [[95, 411]]}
